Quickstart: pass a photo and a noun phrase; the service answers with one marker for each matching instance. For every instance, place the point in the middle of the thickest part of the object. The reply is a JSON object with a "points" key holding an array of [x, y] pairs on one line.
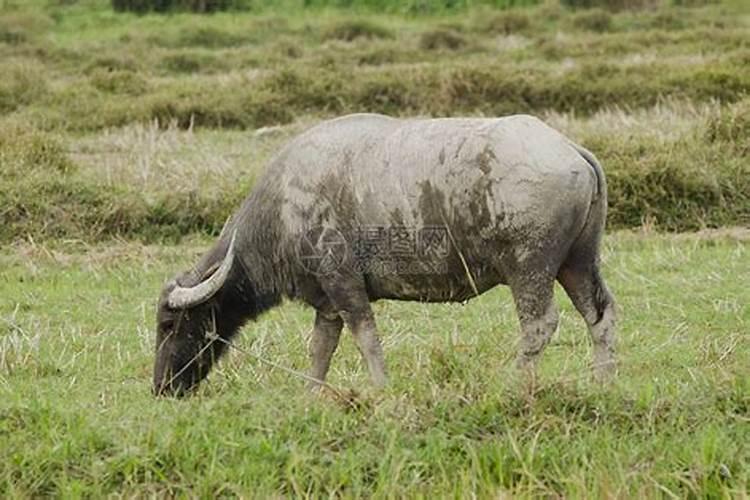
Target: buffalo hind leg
{"points": [[323, 343], [591, 297], [538, 316]]}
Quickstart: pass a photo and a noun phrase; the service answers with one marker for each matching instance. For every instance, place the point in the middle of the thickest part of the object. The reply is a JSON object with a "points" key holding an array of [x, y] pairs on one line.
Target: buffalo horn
{"points": [[184, 297]]}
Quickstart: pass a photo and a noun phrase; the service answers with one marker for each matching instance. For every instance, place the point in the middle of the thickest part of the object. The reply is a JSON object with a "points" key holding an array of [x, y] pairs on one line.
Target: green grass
{"points": [[77, 417]]}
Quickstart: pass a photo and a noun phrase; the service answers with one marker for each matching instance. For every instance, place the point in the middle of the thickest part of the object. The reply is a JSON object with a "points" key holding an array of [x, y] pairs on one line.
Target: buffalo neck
{"points": [[255, 283], [239, 302]]}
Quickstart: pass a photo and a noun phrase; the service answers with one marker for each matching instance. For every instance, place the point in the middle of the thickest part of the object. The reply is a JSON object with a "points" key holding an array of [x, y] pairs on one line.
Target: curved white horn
{"points": [[181, 298]]}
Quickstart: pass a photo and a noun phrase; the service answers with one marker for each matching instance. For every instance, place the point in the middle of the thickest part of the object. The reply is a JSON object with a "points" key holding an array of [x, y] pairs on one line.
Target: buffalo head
{"points": [[188, 326]]}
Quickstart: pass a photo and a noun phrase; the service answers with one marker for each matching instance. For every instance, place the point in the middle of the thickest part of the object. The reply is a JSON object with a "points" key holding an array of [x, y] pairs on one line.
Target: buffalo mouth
{"points": [[171, 386], [174, 390]]}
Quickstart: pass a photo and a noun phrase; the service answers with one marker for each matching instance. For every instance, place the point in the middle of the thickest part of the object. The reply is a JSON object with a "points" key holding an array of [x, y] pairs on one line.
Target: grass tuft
{"points": [[119, 82], [22, 83], [614, 5], [596, 20], [353, 29], [505, 23], [732, 129], [210, 37], [25, 152], [441, 39], [22, 26], [189, 62]]}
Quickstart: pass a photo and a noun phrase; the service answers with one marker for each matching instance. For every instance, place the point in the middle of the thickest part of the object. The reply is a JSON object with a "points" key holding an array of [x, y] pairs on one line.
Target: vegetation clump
{"points": [[44, 195], [210, 37], [201, 6], [686, 185], [22, 83], [24, 152], [354, 29], [441, 39], [188, 62], [18, 27], [505, 23], [12, 35], [732, 128], [613, 5], [119, 82], [596, 20]]}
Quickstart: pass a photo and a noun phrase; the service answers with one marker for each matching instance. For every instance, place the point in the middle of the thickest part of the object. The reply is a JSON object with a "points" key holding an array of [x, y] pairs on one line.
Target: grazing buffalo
{"points": [[368, 207]]}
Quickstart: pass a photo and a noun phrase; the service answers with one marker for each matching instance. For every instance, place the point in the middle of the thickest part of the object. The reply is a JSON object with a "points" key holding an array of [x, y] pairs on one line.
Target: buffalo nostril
{"points": [[173, 390], [158, 390], [162, 387]]}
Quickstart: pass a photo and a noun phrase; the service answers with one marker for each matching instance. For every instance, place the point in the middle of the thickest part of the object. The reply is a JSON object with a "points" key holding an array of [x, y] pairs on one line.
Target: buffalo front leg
{"points": [[323, 343], [346, 291], [538, 316], [366, 337]]}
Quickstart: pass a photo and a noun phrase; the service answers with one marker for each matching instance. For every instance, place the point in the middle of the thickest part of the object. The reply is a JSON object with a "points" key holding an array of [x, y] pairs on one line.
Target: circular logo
{"points": [[322, 250]]}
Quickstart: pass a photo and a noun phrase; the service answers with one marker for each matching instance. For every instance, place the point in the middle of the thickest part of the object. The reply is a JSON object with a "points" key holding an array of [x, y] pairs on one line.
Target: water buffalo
{"points": [[368, 207]]}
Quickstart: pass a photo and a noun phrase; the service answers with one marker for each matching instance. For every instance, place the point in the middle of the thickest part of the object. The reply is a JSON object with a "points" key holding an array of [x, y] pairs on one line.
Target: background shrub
{"points": [[681, 186], [694, 3], [43, 194], [24, 152], [596, 20], [614, 5], [169, 5], [441, 39], [119, 82], [193, 62], [732, 128], [504, 23], [21, 83], [350, 30], [19, 27], [412, 7], [210, 37]]}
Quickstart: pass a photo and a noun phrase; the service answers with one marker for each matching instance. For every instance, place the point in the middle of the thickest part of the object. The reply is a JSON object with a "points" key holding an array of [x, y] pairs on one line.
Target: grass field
{"points": [[126, 140], [76, 414]]}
